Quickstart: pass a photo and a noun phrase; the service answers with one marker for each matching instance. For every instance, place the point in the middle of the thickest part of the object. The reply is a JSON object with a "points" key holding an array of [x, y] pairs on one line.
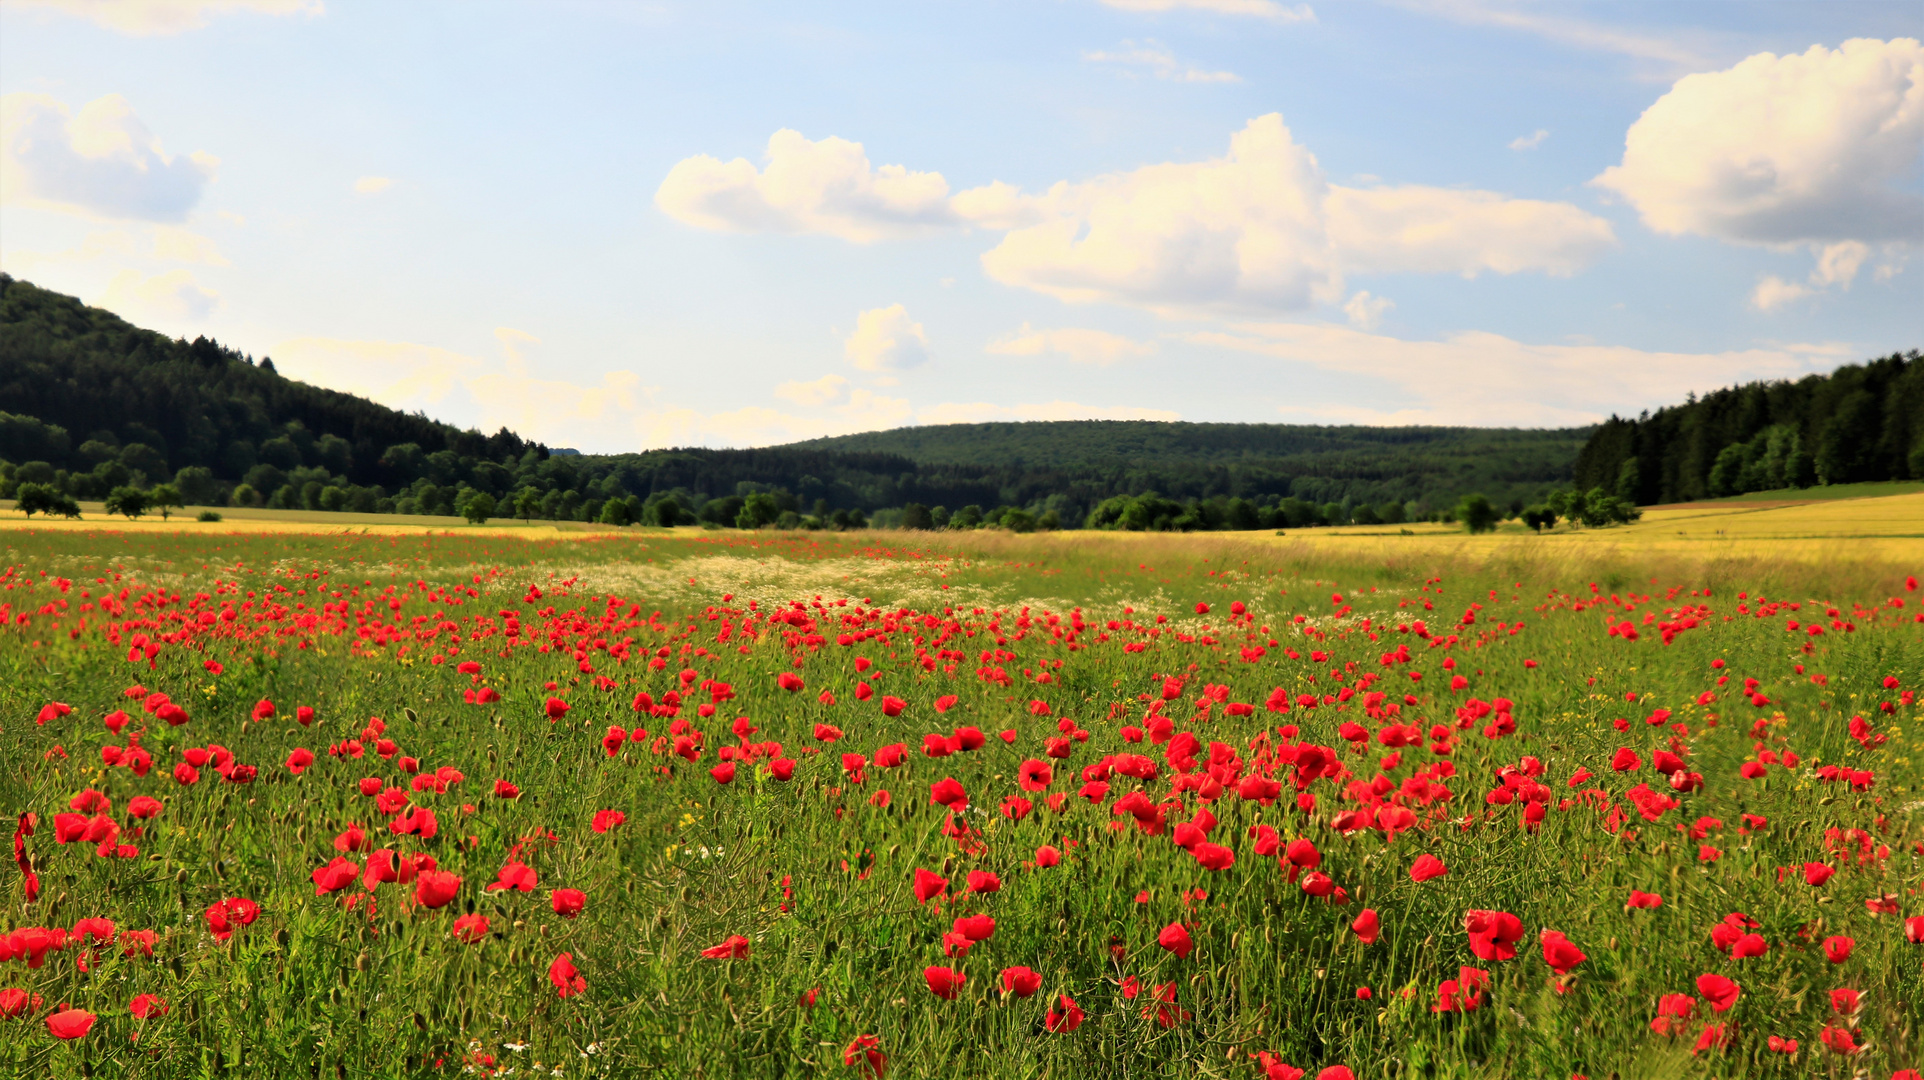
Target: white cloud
{"points": [[1774, 292], [1259, 229], [1531, 141], [1482, 378], [1366, 311], [146, 17], [172, 298], [101, 161], [1080, 344], [369, 185], [977, 412], [1246, 229], [1262, 9], [886, 340], [1837, 264], [1445, 231], [817, 392], [1814, 147], [174, 244], [1153, 57], [826, 187]]}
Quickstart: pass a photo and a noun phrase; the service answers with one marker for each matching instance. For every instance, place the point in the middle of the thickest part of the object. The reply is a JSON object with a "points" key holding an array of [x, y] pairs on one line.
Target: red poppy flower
{"points": [[146, 1006], [983, 881], [1838, 949], [723, 773], [1336, 1072], [335, 876], [1021, 981], [470, 928], [867, 1049], [566, 979], [944, 982], [1560, 953], [1275, 1068], [928, 885], [948, 792], [1034, 775], [1644, 900], [556, 709], [1845, 1001], [975, 927], [1175, 937], [607, 819], [1719, 991], [568, 903], [436, 888], [733, 947], [299, 759], [1047, 855], [1816, 873], [70, 1023], [1367, 926], [1064, 1016], [1213, 856], [1838, 1039], [14, 1003], [892, 706], [1493, 934], [789, 681], [1426, 867]]}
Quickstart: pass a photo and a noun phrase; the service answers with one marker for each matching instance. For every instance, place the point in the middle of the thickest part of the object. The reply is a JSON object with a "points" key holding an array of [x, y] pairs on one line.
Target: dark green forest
{"points": [[1860, 422], [94, 408], [92, 404]]}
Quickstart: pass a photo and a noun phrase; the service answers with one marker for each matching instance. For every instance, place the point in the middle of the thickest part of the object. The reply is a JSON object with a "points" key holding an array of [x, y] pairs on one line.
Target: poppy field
{"points": [[862, 805]]}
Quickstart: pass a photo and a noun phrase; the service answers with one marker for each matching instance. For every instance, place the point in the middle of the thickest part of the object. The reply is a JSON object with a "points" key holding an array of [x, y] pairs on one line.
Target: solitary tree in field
{"points": [[36, 499], [128, 500], [527, 503], [478, 508], [1476, 514], [163, 498]]}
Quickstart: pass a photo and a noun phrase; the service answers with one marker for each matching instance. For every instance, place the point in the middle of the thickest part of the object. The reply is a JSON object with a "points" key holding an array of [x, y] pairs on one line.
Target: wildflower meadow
{"points": [[720, 804]]}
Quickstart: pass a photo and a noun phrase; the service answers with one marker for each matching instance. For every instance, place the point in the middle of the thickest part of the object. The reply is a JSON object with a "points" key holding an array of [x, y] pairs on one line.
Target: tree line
{"points": [[1859, 423]]}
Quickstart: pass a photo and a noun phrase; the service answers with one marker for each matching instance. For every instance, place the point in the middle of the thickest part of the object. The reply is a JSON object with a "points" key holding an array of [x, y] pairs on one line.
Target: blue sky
{"points": [[625, 225]]}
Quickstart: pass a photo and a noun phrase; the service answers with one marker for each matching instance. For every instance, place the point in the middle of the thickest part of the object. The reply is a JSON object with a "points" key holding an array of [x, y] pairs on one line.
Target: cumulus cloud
{"points": [[886, 340], [816, 392], [1262, 9], [101, 161], [1531, 141], [369, 185], [1837, 264], [1153, 57], [1258, 229], [825, 187], [1244, 229], [173, 298], [1815, 147], [1482, 378], [151, 17], [1774, 292], [1366, 311], [1079, 344], [1445, 231]]}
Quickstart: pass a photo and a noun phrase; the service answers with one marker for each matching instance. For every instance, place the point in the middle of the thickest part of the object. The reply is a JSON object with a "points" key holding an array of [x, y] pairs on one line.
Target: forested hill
{"points": [[81, 387], [1094, 459], [91, 405], [1860, 422]]}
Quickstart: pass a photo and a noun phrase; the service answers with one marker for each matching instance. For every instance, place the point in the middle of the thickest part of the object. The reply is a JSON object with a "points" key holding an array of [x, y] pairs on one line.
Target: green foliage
{"points": [[45, 499], [129, 500], [1862, 422], [164, 497], [478, 508], [1476, 513], [208, 515]]}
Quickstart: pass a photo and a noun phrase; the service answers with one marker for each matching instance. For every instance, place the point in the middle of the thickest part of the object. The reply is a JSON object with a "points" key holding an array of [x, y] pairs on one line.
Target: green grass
{"points": [[314, 988], [1835, 491]]}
